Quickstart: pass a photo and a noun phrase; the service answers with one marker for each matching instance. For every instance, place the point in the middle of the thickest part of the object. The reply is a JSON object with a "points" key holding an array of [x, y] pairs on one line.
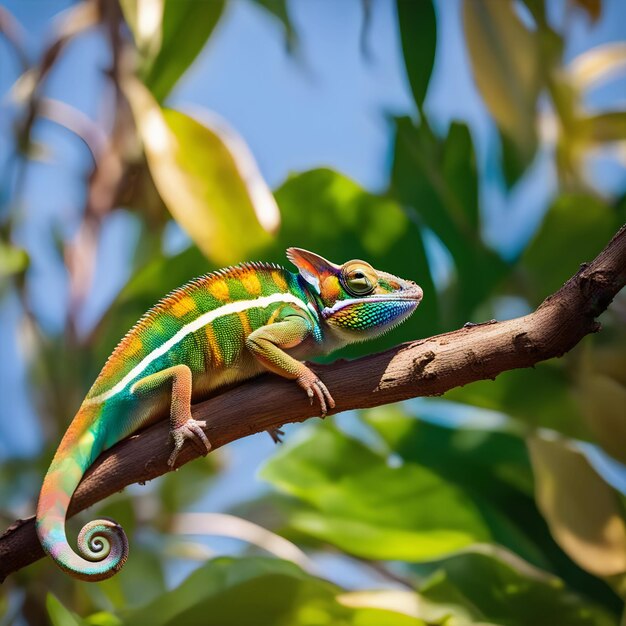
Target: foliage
{"points": [[501, 518]]}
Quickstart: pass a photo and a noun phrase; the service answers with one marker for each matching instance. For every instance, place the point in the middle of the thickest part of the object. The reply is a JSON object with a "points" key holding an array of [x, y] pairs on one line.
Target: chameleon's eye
{"points": [[358, 278]]}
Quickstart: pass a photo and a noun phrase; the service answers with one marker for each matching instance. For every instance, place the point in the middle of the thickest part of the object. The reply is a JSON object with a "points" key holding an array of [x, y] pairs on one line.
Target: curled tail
{"points": [[102, 544]]}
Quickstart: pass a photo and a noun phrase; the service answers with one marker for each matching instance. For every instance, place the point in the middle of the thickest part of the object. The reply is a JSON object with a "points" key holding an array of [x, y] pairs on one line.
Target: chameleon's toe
{"points": [[316, 388], [191, 429], [276, 434]]}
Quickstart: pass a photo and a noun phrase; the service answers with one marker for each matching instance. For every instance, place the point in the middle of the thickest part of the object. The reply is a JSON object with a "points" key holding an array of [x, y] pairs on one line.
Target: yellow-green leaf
{"points": [[169, 35], [582, 511], [207, 178], [506, 66]]}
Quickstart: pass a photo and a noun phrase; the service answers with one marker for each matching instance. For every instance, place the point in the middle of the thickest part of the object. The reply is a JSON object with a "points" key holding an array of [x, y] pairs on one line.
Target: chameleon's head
{"points": [[358, 301]]}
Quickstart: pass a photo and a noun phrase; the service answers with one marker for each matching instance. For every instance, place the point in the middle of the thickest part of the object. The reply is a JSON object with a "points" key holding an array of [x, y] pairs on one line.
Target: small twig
{"points": [[427, 367]]}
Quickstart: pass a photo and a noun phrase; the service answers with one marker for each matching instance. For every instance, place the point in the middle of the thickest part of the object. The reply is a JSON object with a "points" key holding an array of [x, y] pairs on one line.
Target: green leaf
{"points": [[260, 591], [506, 592], [365, 507], [170, 34], [550, 404], [574, 231], [418, 33], [207, 178], [493, 468], [280, 10], [59, 615], [505, 62], [604, 127], [439, 180], [13, 260], [583, 512]]}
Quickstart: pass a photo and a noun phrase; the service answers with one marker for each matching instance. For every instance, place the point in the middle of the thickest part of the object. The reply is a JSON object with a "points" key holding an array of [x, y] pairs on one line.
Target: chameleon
{"points": [[219, 329]]}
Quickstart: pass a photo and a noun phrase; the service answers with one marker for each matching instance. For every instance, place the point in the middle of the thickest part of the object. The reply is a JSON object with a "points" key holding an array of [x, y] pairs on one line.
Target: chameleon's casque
{"points": [[222, 328]]}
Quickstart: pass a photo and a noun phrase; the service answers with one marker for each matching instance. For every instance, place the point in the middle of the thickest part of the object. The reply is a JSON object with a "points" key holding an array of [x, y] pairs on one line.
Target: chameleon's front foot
{"points": [[314, 387], [191, 429]]}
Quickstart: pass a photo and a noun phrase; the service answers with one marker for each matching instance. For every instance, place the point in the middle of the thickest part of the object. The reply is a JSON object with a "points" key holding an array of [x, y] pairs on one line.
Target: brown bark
{"points": [[426, 367]]}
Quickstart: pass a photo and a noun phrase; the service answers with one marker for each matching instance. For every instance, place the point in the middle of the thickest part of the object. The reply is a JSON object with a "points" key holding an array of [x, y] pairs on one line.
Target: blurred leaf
{"points": [[13, 260], [593, 8], [493, 468], [603, 403], [583, 512], [574, 230], [170, 34], [59, 615], [492, 590], [264, 592], [505, 62], [489, 466], [438, 179], [601, 387], [102, 618], [179, 490], [605, 127], [280, 10], [550, 404], [207, 178], [358, 502], [418, 33], [597, 64]]}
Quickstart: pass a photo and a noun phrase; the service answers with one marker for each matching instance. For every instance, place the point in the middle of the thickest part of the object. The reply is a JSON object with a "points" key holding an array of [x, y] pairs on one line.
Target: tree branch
{"points": [[426, 367]]}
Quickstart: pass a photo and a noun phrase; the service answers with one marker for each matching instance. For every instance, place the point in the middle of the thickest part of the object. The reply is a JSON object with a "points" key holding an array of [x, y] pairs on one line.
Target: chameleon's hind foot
{"points": [[276, 434], [191, 429]]}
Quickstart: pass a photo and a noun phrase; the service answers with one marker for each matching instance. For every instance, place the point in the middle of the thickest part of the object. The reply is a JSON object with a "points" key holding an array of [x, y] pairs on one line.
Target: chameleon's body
{"points": [[219, 329]]}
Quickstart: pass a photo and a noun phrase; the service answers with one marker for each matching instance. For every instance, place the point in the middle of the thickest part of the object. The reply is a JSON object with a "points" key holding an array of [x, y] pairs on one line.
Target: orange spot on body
{"points": [[185, 305], [219, 289], [251, 283], [245, 323], [214, 346], [280, 281]]}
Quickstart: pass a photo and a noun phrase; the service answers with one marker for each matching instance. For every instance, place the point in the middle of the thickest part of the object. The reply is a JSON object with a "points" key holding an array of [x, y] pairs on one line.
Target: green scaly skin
{"points": [[219, 329]]}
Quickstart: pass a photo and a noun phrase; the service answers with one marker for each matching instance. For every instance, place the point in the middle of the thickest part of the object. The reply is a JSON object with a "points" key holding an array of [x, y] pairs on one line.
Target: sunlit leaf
{"points": [[59, 615], [496, 591], [489, 466], [264, 592], [207, 178], [583, 512], [505, 63], [597, 65], [362, 505], [102, 618], [418, 33], [13, 260], [169, 34]]}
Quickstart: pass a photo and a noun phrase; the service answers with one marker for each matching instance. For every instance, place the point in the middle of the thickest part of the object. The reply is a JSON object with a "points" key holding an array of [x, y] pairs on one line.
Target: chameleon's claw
{"points": [[191, 429], [314, 387], [276, 434]]}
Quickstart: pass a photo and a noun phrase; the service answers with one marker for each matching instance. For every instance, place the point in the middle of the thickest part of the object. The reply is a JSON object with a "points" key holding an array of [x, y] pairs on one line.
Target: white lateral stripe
{"points": [[232, 307]]}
